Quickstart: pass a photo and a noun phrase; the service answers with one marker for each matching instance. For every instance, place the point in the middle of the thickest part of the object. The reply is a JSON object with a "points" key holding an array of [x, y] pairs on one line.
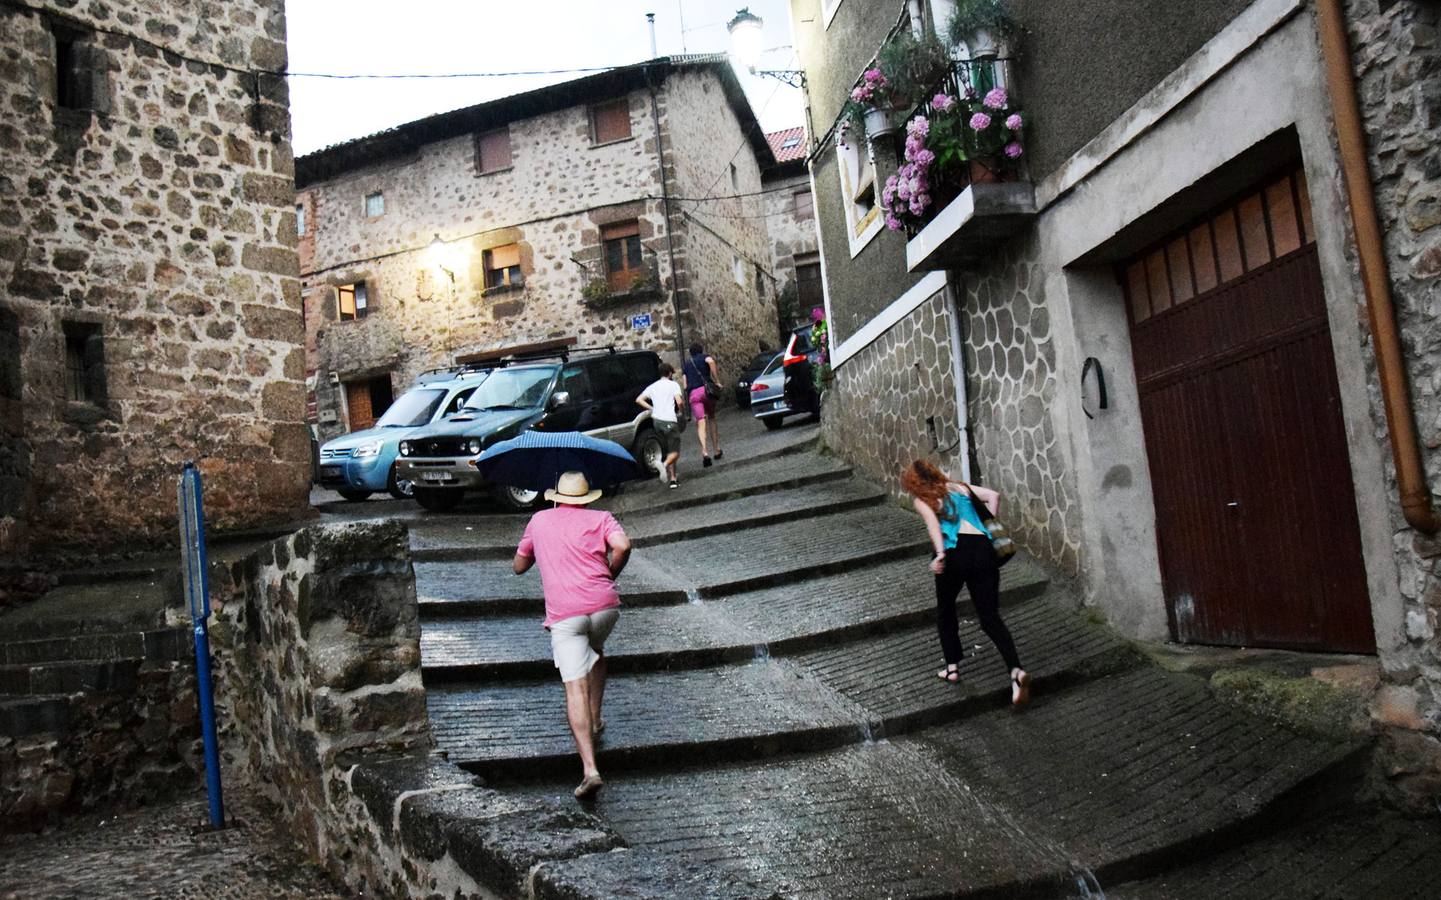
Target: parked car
{"points": [[787, 386], [358, 464], [592, 394], [747, 377]]}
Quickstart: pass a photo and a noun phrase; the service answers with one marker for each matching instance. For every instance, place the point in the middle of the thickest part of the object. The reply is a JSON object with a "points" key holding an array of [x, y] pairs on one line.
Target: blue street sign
{"points": [[640, 322], [193, 565]]}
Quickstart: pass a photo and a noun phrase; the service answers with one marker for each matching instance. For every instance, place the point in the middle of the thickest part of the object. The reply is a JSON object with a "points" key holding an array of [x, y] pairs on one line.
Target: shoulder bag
{"points": [[1001, 539]]}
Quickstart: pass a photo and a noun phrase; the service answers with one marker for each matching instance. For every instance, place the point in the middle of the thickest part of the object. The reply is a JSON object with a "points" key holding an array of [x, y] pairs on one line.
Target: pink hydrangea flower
{"points": [[923, 157], [893, 223], [860, 95], [1013, 150], [920, 126], [980, 121], [995, 98], [817, 314], [874, 76], [1013, 121], [942, 102]]}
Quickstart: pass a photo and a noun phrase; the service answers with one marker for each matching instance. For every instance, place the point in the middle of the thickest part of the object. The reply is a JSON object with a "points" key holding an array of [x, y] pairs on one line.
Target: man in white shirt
{"points": [[664, 398]]}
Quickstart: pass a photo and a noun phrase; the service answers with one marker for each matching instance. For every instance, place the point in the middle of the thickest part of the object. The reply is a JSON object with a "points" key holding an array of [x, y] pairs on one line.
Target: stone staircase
{"points": [[773, 714]]}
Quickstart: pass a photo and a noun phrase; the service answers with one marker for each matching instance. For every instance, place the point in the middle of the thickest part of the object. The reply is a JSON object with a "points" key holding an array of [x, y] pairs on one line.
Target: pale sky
{"points": [[447, 36]]}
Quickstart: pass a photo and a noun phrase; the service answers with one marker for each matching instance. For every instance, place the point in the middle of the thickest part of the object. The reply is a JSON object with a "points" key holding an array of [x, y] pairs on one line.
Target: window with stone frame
{"points": [[502, 268], [80, 82], [492, 151], [375, 205], [760, 282], [352, 301], [803, 205], [300, 220], [84, 363], [622, 252], [10, 377], [810, 294], [610, 121]]}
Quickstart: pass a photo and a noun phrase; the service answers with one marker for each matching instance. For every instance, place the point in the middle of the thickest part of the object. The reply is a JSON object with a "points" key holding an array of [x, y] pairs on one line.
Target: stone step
{"points": [[156, 644], [87, 676], [766, 706], [42, 714], [489, 587], [69, 610], [1133, 770], [728, 480], [497, 540], [786, 620]]}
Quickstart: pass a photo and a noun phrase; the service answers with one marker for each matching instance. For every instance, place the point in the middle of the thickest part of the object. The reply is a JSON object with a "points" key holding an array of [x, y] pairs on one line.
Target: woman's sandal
{"points": [[951, 673], [588, 787], [1020, 688]]}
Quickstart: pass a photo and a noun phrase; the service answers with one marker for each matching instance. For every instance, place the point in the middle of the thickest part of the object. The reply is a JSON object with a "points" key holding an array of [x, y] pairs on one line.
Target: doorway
{"points": [[1255, 509], [367, 400]]}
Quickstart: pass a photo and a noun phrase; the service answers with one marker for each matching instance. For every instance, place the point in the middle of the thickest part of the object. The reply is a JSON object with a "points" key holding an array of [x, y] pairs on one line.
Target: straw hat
{"points": [[572, 488]]}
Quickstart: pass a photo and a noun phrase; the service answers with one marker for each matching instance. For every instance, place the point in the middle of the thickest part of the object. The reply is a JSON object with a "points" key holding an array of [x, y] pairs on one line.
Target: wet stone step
{"points": [[491, 588], [1139, 769], [498, 540], [784, 620], [871, 820], [746, 710], [730, 479], [70, 677]]}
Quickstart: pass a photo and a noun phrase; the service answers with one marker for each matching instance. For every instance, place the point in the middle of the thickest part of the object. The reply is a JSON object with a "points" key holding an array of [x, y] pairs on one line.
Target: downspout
{"points": [[669, 224], [1375, 279], [958, 375]]}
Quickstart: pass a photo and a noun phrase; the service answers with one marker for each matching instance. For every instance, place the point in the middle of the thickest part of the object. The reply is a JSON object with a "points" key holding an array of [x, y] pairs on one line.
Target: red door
{"points": [[1255, 509]]}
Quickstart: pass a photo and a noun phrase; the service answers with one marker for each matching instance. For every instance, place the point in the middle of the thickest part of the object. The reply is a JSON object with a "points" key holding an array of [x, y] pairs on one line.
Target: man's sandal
{"points": [[1021, 688], [951, 673]]}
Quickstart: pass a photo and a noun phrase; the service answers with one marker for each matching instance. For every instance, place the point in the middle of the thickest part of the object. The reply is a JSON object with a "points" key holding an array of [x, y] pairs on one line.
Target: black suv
{"points": [[594, 394]]}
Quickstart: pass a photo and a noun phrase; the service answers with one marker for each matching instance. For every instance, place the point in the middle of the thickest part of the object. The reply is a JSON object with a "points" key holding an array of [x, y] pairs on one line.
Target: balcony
{"points": [[981, 201]]}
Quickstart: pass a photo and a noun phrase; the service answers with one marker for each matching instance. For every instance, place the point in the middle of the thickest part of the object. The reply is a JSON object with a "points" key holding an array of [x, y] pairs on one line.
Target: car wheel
{"points": [[773, 422], [399, 488], [649, 452], [354, 496], [438, 500], [516, 499]]}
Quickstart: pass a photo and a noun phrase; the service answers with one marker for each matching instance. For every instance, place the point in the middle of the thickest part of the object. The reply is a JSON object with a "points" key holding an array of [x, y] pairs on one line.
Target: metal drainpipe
{"points": [[669, 235], [1375, 279], [958, 375]]}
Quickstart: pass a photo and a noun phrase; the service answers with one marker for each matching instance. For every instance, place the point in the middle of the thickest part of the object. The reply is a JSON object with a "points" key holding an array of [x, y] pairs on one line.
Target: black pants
{"points": [[972, 562]]}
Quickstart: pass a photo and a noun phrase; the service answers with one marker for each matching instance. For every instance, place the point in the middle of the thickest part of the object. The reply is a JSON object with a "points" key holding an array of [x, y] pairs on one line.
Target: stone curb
{"points": [[165, 644]]}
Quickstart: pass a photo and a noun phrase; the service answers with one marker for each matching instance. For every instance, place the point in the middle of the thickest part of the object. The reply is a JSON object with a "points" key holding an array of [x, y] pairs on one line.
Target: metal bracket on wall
{"points": [[1090, 364]]}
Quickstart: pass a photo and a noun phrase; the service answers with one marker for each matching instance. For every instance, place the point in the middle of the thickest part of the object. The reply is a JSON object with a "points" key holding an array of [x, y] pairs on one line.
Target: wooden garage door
{"points": [[1255, 510]]}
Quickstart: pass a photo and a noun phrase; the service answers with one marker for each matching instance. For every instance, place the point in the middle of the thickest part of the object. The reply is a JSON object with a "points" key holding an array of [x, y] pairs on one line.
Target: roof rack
{"points": [[561, 353], [450, 373]]}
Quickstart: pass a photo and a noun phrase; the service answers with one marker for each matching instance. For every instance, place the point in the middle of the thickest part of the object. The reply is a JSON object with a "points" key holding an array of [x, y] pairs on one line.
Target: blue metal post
{"points": [[197, 593]]}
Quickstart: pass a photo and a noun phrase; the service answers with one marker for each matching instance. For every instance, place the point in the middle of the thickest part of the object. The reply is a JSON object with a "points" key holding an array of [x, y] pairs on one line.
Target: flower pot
{"points": [[985, 171], [982, 44], [879, 123]]}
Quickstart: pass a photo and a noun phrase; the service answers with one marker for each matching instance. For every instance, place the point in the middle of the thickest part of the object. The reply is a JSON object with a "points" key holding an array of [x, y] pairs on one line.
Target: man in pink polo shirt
{"points": [[581, 552]]}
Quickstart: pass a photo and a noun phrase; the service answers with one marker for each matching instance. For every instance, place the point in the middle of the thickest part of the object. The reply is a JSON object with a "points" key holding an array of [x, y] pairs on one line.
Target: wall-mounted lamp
{"points": [[437, 251], [748, 43]]}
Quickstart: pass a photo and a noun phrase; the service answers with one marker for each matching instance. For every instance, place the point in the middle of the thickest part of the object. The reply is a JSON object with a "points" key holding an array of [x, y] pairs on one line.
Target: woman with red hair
{"points": [[964, 556]]}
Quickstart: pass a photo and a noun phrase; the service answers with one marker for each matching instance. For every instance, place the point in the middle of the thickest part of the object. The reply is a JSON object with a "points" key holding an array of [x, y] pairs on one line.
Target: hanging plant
{"points": [[982, 18], [912, 67]]}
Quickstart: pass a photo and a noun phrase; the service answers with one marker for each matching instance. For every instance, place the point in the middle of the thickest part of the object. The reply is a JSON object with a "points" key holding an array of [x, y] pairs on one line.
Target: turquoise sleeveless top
{"points": [[960, 509]]}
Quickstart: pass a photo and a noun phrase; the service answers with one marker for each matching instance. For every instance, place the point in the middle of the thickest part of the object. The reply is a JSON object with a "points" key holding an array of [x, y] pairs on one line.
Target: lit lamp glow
{"points": [[746, 38], [438, 252]]}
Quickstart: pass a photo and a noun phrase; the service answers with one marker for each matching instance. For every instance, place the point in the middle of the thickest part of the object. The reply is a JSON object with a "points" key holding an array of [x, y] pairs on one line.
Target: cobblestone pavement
{"points": [[157, 853], [774, 712]]}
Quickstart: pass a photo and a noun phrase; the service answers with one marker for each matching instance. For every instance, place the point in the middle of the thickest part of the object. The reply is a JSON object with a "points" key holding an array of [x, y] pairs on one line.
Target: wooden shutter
{"points": [[505, 257], [622, 254], [610, 121], [357, 402], [804, 205], [493, 150]]}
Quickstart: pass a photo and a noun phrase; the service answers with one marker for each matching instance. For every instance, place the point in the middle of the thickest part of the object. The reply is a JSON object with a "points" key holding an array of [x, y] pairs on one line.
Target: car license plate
{"points": [[434, 476], [330, 471]]}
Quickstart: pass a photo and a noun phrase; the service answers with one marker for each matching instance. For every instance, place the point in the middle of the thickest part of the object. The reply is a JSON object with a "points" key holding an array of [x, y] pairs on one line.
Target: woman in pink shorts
{"points": [[701, 370]]}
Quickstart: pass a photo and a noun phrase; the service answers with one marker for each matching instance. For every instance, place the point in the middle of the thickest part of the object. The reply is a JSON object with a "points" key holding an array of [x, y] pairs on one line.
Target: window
{"points": [[738, 271], [575, 381], [502, 267], [808, 285], [10, 381], [792, 141], [610, 121], [858, 188], [75, 75], [300, 220], [623, 264], [492, 151], [760, 282], [735, 178], [374, 205], [84, 363], [803, 205], [352, 301]]}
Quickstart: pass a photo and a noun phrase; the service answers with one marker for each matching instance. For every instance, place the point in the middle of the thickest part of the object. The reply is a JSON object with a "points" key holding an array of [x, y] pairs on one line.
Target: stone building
{"points": [[149, 301], [618, 209], [1156, 340], [790, 215]]}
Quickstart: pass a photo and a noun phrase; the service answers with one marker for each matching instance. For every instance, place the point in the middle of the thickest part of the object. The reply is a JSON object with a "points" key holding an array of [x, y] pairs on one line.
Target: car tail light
{"points": [[759, 386], [792, 357]]}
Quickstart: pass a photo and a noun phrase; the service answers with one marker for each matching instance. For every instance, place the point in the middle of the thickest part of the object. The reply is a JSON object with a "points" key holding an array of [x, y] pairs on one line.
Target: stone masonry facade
{"points": [[792, 235], [428, 307], [149, 305], [1396, 56]]}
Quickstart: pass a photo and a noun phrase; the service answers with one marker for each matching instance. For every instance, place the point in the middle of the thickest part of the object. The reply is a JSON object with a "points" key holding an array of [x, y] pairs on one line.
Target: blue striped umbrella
{"points": [[536, 459]]}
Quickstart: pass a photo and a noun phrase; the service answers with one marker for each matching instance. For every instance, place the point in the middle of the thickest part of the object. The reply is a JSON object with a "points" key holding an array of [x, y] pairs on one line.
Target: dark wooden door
{"points": [[1255, 509]]}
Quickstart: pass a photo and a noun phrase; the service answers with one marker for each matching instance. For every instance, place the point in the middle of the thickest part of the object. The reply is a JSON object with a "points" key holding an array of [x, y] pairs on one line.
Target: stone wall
{"points": [[1396, 54], [790, 235], [149, 223], [875, 414]]}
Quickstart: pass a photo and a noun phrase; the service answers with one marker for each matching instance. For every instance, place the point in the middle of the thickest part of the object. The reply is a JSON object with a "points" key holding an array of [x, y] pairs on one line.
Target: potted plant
{"points": [[870, 105], [985, 27], [992, 136], [912, 67]]}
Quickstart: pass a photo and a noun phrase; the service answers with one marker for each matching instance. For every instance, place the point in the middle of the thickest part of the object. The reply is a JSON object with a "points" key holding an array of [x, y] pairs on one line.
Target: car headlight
{"points": [[364, 450], [473, 446], [405, 448]]}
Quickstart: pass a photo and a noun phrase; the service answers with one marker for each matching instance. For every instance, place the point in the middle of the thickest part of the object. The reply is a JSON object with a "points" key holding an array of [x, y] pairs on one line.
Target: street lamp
{"points": [[747, 42], [437, 256]]}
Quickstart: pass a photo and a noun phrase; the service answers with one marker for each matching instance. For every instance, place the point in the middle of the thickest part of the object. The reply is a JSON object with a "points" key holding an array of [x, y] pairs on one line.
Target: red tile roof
{"points": [[796, 137]]}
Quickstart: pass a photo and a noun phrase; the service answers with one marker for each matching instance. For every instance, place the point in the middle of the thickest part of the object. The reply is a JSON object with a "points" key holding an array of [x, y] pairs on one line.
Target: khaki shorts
{"points": [[669, 434], [574, 642]]}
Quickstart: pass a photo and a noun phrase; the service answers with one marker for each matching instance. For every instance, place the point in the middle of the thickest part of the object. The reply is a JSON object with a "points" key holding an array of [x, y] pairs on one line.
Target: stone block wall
{"points": [[790, 236], [1396, 55], [152, 222], [875, 414]]}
